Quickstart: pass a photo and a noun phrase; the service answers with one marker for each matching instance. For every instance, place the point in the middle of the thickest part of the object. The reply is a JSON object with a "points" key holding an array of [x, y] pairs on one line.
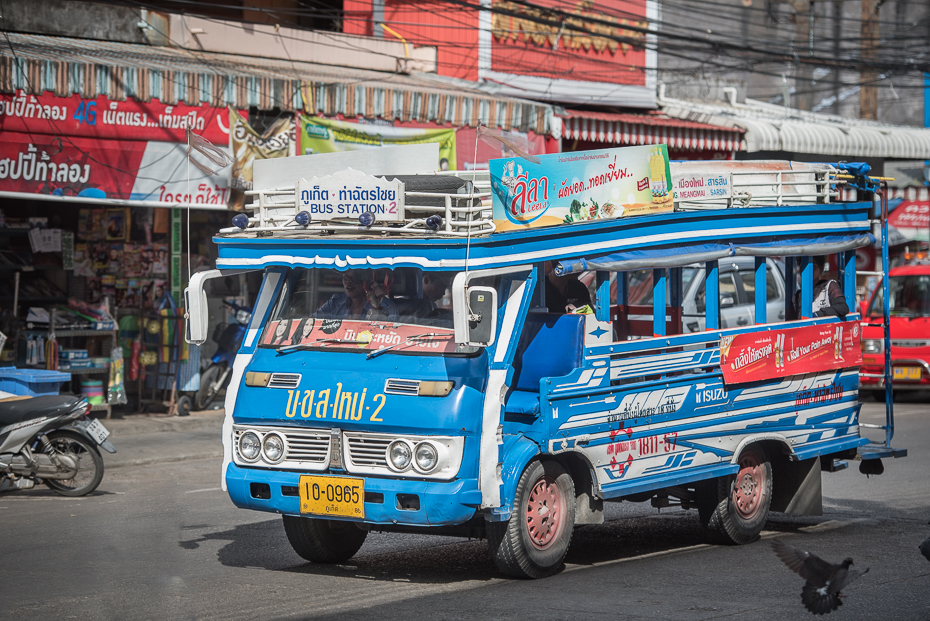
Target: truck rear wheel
{"points": [[534, 542], [745, 497], [323, 541]]}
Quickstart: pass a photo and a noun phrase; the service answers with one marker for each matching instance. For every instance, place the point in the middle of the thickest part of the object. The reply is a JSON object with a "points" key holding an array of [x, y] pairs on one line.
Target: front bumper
{"points": [[442, 503], [873, 377]]}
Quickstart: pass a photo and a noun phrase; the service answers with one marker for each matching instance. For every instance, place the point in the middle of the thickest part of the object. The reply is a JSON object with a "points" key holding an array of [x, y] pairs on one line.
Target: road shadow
{"points": [[442, 560]]}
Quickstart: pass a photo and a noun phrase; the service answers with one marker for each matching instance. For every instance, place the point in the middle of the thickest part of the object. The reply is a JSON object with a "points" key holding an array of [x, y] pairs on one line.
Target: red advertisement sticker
{"points": [[754, 356], [354, 335]]}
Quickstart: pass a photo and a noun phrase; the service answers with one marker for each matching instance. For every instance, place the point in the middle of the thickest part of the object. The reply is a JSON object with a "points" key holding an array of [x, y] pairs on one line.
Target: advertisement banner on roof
{"points": [[248, 145], [106, 169], [111, 120], [580, 186], [327, 136], [754, 356]]}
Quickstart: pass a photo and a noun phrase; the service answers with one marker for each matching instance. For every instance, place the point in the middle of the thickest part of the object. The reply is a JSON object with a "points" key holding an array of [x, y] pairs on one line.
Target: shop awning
{"points": [[648, 128], [118, 70], [775, 128], [680, 255]]}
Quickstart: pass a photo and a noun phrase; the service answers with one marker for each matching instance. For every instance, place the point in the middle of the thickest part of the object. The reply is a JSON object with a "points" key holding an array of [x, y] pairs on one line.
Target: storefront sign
{"points": [[102, 169], [112, 120], [580, 186], [911, 215], [350, 193], [696, 187], [248, 145], [754, 356], [325, 136]]}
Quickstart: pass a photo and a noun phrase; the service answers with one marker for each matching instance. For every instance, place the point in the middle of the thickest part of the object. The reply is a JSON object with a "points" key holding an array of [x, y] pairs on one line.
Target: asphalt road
{"points": [[159, 540]]}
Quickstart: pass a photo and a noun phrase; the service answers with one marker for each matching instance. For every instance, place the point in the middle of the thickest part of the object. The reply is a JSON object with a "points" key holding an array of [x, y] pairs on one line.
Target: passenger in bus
{"points": [[564, 293], [829, 300], [435, 285], [365, 297]]}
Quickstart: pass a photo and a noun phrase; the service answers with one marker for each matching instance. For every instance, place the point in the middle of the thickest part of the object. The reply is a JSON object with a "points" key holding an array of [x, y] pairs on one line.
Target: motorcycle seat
{"points": [[12, 412]]}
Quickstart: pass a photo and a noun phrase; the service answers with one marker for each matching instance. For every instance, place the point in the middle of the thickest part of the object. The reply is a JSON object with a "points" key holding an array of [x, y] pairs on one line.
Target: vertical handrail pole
{"points": [[886, 314], [712, 296], [761, 292]]}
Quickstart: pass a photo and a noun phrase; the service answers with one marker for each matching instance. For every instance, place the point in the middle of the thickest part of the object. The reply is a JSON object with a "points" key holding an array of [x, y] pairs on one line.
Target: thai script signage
{"points": [[911, 215], [695, 187], [102, 169], [754, 356], [114, 120], [565, 188], [522, 23], [350, 193]]}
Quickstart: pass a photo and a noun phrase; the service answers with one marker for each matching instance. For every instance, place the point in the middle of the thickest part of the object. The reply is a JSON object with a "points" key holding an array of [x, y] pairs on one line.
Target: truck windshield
{"points": [[365, 310], [909, 297]]}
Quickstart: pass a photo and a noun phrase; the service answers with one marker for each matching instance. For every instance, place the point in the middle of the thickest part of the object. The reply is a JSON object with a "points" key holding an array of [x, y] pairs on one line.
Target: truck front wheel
{"points": [[323, 541], [534, 541], [745, 497]]}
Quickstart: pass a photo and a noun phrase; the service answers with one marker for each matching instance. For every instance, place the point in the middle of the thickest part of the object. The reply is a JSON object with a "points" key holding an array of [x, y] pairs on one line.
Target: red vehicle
{"points": [[909, 305]]}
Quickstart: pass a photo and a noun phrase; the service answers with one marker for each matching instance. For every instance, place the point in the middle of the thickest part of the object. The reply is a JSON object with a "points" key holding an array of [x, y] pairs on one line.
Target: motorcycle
{"points": [[229, 337], [51, 440]]}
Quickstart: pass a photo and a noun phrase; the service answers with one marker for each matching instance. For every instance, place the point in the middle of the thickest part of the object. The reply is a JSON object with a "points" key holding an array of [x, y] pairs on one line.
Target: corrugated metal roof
{"points": [[119, 70], [774, 128]]}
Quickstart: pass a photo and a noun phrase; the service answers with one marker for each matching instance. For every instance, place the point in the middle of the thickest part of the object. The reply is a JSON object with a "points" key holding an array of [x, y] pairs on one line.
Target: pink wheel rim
{"points": [[544, 513], [749, 489]]}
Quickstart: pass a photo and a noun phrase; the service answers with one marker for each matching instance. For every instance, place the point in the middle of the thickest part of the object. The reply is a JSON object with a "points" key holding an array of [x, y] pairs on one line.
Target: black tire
{"points": [[323, 541], [87, 456], [528, 545], [745, 498], [707, 497], [183, 406], [206, 394]]}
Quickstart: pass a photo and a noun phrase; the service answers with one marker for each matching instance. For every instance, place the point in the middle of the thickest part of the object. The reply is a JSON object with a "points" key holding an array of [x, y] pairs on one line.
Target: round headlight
{"points": [[399, 454], [426, 457], [250, 447], [273, 448]]}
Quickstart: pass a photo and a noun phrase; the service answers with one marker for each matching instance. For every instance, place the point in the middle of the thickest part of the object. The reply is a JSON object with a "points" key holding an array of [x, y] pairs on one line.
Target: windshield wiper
{"points": [[299, 346], [378, 352]]}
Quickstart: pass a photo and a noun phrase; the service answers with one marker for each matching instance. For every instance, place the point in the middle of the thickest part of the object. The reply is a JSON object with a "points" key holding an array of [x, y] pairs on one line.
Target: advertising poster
{"points": [[111, 120], [325, 136], [580, 186], [93, 168], [248, 145], [778, 353]]}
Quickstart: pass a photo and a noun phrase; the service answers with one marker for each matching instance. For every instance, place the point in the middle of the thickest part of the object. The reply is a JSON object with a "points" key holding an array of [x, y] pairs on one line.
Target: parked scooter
{"points": [[229, 338], [50, 440]]}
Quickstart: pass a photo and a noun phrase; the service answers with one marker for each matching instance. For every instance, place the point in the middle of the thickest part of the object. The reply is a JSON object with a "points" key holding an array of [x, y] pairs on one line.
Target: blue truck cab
{"points": [[405, 373]]}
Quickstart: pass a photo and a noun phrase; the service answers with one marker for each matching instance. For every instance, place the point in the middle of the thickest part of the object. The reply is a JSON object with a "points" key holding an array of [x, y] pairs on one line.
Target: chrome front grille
{"points": [[284, 380], [402, 387], [366, 450], [306, 448]]}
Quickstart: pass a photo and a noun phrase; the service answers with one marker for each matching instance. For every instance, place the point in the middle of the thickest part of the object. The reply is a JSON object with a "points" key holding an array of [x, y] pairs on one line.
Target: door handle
{"points": [[742, 321], [781, 314]]}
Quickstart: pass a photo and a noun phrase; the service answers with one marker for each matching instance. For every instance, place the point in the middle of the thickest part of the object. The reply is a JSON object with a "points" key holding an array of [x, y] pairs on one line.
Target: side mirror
{"points": [[475, 321], [726, 302], [195, 308]]}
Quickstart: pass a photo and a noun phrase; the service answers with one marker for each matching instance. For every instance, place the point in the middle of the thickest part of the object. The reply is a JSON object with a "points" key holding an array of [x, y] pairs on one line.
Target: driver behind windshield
{"points": [[365, 297]]}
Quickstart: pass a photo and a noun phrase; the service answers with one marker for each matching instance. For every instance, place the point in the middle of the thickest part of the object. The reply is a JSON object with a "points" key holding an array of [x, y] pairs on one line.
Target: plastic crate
{"points": [[32, 382]]}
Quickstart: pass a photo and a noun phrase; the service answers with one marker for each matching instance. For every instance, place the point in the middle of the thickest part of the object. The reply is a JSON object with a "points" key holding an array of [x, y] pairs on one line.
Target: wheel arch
{"points": [[589, 506]]}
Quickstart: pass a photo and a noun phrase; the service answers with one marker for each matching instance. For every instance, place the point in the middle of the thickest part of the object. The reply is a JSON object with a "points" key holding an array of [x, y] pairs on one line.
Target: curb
{"points": [[161, 460], [138, 424]]}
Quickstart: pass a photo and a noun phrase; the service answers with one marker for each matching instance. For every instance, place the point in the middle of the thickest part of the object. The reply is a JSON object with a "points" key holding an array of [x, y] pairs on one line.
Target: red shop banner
{"points": [[112, 120], [754, 356], [102, 169]]}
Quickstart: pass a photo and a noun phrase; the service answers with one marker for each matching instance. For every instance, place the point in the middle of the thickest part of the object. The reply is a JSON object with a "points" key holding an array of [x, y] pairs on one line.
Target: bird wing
{"points": [[845, 578], [810, 567]]}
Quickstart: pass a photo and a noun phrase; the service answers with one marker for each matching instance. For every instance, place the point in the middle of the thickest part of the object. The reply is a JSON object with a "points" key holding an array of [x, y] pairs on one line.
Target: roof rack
{"points": [[763, 183], [465, 211]]}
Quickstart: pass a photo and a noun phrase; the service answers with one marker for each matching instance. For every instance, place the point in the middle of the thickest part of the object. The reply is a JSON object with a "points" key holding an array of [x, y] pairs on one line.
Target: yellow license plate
{"points": [[906, 373], [336, 496]]}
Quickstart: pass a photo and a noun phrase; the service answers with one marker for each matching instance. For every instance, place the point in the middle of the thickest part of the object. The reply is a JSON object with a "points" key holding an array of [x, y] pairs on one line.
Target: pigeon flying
{"points": [[821, 593], [925, 548]]}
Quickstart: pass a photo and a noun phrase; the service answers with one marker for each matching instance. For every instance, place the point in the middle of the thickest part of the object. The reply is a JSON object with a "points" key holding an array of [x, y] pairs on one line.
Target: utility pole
{"points": [[804, 45], [868, 91]]}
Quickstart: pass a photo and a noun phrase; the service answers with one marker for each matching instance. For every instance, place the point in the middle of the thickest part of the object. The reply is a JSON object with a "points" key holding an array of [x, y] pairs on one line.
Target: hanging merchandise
{"points": [[134, 359], [116, 394], [51, 354], [40, 350]]}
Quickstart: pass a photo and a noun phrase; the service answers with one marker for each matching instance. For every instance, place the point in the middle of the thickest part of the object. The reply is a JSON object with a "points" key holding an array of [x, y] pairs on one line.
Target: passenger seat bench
{"points": [[551, 346]]}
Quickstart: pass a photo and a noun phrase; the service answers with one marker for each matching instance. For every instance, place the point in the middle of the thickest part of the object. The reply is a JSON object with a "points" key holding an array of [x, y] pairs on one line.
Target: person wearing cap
{"points": [[364, 298], [564, 293]]}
